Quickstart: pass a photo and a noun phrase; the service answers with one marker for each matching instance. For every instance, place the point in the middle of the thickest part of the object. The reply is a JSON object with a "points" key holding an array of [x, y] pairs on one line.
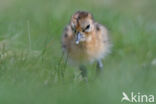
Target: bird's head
{"points": [[82, 26]]}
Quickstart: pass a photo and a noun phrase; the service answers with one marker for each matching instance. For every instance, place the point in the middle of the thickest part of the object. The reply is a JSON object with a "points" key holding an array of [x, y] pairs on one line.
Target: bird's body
{"points": [[84, 40], [95, 47]]}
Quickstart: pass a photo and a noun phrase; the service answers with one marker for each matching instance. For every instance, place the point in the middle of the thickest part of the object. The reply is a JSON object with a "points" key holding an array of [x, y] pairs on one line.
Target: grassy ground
{"points": [[30, 51]]}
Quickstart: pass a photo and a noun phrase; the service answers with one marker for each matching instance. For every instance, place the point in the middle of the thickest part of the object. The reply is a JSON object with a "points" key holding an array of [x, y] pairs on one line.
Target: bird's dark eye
{"points": [[74, 30], [87, 27]]}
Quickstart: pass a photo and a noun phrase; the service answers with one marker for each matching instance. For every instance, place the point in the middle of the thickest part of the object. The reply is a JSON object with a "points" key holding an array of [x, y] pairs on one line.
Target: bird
{"points": [[85, 41]]}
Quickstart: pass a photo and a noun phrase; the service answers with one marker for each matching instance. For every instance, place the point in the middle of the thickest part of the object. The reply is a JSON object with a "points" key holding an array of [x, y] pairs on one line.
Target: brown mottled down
{"points": [[93, 45]]}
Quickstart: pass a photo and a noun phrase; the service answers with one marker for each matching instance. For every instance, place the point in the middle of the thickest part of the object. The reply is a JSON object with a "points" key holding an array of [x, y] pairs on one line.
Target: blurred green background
{"points": [[30, 52]]}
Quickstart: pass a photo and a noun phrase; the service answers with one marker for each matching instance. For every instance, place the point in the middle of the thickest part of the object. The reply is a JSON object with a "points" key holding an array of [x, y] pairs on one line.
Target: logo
{"points": [[138, 97]]}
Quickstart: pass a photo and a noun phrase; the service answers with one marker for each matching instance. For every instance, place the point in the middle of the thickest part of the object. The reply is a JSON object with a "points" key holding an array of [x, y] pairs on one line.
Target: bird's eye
{"points": [[74, 30], [87, 27]]}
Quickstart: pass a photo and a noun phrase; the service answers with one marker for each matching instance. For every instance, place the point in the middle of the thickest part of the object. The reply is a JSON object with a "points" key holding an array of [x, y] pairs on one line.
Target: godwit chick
{"points": [[85, 41]]}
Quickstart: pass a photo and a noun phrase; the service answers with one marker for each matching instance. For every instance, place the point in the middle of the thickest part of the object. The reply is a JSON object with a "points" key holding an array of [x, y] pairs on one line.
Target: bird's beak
{"points": [[78, 38]]}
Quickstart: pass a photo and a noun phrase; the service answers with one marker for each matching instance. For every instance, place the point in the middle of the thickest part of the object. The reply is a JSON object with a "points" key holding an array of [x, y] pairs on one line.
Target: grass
{"points": [[30, 51]]}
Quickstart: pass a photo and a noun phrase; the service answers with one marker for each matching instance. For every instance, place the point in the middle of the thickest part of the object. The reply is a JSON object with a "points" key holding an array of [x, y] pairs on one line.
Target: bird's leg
{"points": [[99, 67], [83, 70]]}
